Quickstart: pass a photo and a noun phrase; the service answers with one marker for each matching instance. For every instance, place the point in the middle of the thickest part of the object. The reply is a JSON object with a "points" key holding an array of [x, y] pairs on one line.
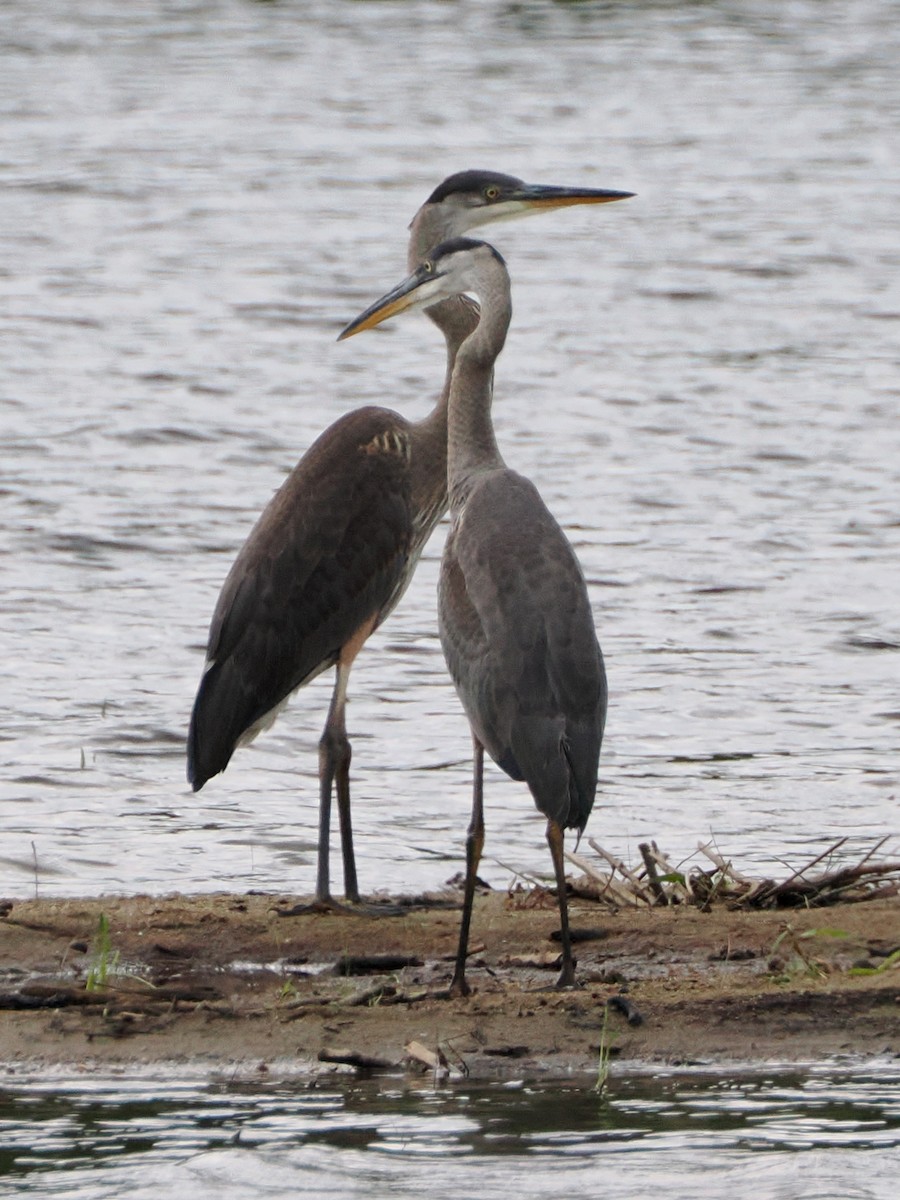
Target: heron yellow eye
{"points": [[428, 266], [491, 193]]}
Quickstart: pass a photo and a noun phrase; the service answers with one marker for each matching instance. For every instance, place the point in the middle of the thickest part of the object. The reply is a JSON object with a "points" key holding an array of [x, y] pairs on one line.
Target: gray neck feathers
{"points": [[457, 317], [472, 447]]}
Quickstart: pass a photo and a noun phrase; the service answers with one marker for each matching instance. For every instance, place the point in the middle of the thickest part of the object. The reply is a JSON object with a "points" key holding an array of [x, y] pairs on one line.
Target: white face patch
{"points": [[455, 278], [430, 292], [506, 210]]}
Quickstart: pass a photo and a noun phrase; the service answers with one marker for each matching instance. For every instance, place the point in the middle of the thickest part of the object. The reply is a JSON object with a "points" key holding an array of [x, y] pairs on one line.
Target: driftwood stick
{"points": [[726, 868], [299, 1008], [652, 874], [879, 893], [633, 888], [609, 889], [617, 865], [377, 992], [588, 868], [759, 892], [861, 872], [651, 886], [614, 890], [802, 871], [837, 880], [874, 850], [681, 890], [534, 880]]}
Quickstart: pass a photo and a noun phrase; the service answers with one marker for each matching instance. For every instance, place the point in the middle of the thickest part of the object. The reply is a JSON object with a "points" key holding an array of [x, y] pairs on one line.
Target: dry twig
{"points": [[847, 884]]}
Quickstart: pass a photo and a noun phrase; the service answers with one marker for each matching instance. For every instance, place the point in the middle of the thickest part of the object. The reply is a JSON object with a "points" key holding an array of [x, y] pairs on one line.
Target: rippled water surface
{"points": [[702, 382], [194, 198], [823, 1136]]}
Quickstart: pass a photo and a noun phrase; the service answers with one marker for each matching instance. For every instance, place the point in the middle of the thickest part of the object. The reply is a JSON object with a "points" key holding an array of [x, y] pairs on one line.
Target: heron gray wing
{"points": [[519, 638]]}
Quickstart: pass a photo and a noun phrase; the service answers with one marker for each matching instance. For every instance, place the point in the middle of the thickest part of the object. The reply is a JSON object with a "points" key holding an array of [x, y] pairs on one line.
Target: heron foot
{"points": [[458, 987], [566, 978]]}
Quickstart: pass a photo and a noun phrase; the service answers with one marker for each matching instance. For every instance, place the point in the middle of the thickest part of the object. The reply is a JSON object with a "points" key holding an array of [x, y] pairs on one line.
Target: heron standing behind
{"points": [[514, 615], [336, 547]]}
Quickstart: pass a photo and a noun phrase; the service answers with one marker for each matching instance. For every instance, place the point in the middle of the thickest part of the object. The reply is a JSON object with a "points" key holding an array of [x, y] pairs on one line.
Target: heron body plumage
{"points": [[518, 636], [328, 554]]}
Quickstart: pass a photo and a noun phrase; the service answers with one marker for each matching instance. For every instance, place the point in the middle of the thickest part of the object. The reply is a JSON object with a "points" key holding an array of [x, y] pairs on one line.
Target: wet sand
{"points": [[229, 984]]}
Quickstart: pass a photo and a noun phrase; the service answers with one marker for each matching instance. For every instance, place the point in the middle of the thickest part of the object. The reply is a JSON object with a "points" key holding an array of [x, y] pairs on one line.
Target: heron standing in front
{"points": [[514, 616]]}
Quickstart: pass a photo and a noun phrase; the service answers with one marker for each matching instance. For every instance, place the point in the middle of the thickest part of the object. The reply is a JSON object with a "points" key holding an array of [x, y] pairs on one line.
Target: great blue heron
{"points": [[335, 548], [514, 615]]}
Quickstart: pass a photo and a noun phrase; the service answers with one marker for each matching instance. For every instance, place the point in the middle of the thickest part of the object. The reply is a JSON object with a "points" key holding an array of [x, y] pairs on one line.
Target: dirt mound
{"points": [[230, 982]]}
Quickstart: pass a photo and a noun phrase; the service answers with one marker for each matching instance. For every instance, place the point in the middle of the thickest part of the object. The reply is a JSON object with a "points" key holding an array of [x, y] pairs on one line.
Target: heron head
{"points": [[470, 199]]}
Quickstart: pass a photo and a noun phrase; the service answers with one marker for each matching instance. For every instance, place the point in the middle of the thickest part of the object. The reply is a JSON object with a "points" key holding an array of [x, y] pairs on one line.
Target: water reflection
{"points": [[90, 1136]]}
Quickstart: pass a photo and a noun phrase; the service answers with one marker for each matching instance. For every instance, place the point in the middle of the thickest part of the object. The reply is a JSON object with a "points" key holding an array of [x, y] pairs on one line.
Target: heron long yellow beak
{"points": [[413, 292], [540, 198]]}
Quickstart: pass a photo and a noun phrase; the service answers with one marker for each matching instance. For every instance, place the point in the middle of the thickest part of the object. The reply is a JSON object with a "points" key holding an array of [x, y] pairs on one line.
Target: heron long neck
{"points": [[471, 445], [456, 317]]}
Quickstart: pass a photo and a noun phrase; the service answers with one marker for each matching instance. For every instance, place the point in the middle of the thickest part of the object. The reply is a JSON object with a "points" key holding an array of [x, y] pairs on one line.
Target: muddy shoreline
{"points": [[228, 984]]}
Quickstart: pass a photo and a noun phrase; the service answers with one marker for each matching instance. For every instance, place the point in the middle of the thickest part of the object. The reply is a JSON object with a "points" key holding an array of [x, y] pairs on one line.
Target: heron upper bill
{"points": [[560, 197], [396, 301]]}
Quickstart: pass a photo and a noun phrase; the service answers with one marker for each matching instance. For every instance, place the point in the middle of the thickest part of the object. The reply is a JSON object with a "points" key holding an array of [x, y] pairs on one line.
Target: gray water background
{"points": [[194, 198], [702, 382]]}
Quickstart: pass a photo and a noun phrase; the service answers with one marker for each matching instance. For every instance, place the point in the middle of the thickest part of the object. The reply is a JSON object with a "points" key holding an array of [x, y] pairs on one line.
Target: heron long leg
{"points": [[334, 767], [555, 840], [342, 781], [334, 762], [474, 846]]}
